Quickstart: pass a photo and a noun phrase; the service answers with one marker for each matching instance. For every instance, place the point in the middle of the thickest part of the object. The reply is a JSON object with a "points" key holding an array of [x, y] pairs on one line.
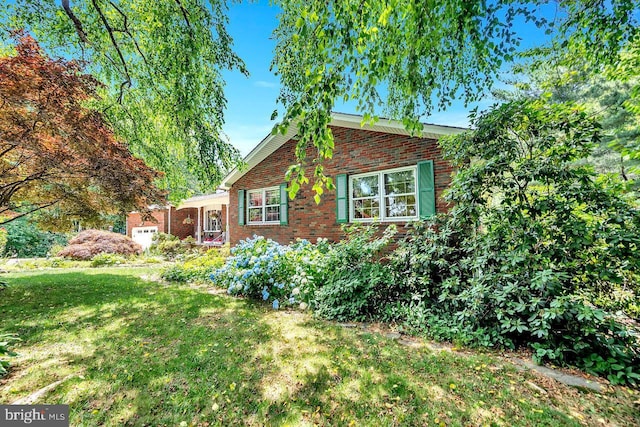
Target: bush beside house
{"points": [[89, 243]]}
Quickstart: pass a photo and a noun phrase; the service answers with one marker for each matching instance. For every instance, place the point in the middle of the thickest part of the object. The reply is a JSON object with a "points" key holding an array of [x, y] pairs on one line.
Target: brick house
{"points": [[380, 172], [202, 217]]}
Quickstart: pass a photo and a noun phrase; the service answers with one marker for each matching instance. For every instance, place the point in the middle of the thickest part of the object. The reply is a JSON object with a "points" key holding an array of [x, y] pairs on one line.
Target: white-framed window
{"points": [[388, 195], [212, 220], [263, 206]]}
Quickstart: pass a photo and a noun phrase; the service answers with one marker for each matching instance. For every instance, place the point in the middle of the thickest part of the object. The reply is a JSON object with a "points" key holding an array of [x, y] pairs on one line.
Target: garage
{"points": [[143, 235]]}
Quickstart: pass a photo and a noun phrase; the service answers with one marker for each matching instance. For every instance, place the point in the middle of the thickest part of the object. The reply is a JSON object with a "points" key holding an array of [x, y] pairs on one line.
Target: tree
{"points": [[406, 58], [57, 155], [604, 96], [161, 64]]}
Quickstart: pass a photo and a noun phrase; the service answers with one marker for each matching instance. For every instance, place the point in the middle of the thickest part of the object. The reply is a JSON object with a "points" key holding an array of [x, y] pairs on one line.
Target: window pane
{"points": [[273, 213], [398, 206], [365, 186], [366, 208], [272, 197], [255, 214], [255, 198], [399, 182]]}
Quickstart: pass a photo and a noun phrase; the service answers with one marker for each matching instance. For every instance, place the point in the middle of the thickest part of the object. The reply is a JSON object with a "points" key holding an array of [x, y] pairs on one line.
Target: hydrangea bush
{"points": [[263, 269]]}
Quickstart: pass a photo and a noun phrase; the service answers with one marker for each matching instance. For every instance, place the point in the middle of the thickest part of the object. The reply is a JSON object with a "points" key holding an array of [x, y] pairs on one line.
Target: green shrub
{"points": [[351, 294], [355, 285], [142, 259], [26, 240], [6, 340], [533, 243], [171, 247], [56, 248], [198, 268], [3, 239], [105, 259]]}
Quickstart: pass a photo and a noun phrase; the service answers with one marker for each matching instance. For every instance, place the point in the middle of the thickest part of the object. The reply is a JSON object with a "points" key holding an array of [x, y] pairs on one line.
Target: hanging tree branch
{"points": [[115, 44], [76, 22], [185, 14]]}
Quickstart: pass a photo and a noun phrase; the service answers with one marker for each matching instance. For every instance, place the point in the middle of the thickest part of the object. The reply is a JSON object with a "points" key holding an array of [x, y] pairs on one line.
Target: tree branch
{"points": [[114, 42], [76, 22], [126, 30], [46, 205], [185, 14]]}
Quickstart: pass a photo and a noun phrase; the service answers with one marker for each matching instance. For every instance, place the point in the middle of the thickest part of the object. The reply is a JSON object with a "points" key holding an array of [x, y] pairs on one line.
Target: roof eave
{"points": [[272, 142]]}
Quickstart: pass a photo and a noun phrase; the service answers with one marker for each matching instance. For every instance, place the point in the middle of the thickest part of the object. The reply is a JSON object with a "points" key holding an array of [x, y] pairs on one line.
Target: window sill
{"points": [[386, 220]]}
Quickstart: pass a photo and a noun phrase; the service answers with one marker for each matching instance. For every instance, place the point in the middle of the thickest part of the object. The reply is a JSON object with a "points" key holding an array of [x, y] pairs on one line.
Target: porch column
{"points": [[199, 227]]}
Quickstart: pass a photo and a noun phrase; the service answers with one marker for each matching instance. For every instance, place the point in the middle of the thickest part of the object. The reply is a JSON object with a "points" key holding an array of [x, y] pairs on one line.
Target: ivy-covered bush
{"points": [[197, 268], [355, 285], [533, 241], [90, 243], [263, 269]]}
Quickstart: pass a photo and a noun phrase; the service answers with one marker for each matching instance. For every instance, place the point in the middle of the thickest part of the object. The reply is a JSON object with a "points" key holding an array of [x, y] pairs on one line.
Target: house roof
{"points": [[215, 199], [272, 142]]}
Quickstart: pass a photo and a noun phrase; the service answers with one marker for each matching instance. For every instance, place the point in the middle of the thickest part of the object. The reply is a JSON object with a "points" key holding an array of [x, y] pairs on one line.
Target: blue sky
{"points": [[252, 100]]}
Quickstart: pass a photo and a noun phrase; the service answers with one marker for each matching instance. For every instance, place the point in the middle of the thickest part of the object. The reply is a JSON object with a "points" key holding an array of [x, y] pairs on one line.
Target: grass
{"points": [[143, 353]]}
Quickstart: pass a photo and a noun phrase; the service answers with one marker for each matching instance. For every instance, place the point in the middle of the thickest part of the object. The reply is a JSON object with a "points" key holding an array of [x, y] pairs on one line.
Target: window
{"points": [[212, 220], [386, 195], [263, 206]]}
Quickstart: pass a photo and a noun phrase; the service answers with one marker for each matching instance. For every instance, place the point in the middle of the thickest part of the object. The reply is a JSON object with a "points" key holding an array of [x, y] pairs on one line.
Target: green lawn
{"points": [[144, 353]]}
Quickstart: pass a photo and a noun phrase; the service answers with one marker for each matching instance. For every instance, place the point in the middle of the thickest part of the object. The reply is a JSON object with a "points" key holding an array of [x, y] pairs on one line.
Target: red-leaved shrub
{"points": [[89, 243]]}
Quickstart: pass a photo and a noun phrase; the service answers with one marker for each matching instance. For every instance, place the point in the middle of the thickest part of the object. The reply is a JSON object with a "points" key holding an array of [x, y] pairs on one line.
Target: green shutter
{"points": [[426, 189], [241, 207], [342, 211], [284, 205]]}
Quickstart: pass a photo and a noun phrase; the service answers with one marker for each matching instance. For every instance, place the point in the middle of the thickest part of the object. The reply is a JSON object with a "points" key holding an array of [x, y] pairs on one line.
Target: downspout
{"points": [[169, 221], [226, 237]]}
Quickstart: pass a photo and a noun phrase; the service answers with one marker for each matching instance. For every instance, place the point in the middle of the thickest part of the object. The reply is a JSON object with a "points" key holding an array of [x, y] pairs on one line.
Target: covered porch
{"points": [[211, 218]]}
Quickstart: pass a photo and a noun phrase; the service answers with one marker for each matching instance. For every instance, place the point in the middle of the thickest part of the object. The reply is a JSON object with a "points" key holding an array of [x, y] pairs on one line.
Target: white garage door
{"points": [[143, 235]]}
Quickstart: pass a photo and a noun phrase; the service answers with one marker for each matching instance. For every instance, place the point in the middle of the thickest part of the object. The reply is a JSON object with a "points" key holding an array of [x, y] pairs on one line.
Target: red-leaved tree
{"points": [[57, 155]]}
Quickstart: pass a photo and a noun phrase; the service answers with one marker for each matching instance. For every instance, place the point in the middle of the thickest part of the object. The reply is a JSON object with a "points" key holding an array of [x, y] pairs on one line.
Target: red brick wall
{"points": [[135, 220], [178, 228], [356, 151]]}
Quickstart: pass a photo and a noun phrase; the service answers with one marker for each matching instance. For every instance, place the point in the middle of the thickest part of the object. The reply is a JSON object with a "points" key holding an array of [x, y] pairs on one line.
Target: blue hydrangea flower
{"points": [[265, 294], [276, 304]]}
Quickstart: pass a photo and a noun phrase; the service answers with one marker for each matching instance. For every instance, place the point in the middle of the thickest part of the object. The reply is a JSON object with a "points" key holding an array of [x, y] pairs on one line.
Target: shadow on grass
{"points": [[147, 353], [150, 354]]}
